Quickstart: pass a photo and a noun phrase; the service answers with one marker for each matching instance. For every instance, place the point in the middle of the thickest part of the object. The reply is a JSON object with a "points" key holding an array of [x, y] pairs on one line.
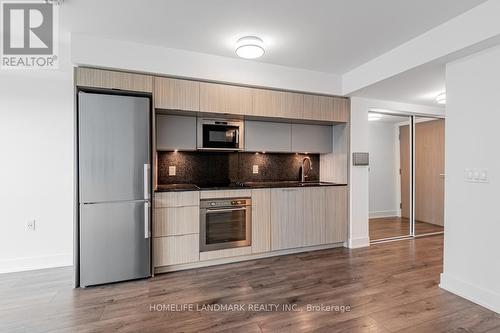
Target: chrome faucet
{"points": [[304, 173]]}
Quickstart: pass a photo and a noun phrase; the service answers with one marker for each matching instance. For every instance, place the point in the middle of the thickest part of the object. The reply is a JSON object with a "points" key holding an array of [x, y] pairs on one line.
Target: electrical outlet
{"points": [[30, 225], [171, 170], [255, 169]]}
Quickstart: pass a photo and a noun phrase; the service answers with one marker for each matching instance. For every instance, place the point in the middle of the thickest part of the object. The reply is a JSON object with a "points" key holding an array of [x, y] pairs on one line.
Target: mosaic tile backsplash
{"points": [[208, 168]]}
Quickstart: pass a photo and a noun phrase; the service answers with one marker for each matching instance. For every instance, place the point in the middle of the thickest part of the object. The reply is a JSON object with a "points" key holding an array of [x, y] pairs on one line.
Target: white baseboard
{"points": [[485, 298], [384, 213], [356, 243], [32, 263]]}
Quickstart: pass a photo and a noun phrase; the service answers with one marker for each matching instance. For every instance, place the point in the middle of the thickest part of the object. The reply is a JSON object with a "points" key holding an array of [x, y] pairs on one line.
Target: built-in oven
{"points": [[225, 223], [220, 134]]}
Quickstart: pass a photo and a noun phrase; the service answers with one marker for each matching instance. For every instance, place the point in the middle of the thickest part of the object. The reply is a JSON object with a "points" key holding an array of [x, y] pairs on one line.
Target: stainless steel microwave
{"points": [[220, 134]]}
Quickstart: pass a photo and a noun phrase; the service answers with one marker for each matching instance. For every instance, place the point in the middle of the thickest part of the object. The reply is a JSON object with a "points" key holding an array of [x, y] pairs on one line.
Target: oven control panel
{"points": [[216, 203]]}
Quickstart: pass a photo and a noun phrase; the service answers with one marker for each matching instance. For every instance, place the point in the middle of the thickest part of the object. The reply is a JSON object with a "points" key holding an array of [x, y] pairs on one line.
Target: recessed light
{"points": [[250, 47], [441, 98]]}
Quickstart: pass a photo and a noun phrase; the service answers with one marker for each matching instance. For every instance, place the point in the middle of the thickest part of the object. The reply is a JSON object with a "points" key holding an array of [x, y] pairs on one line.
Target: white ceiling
{"points": [[420, 85], [332, 36]]}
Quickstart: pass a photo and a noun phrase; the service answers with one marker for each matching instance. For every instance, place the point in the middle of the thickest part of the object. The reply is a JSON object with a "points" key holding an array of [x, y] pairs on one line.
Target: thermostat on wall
{"points": [[360, 159]]}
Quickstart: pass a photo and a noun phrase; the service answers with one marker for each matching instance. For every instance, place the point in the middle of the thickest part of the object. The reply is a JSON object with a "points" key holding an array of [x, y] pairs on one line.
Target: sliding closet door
{"points": [[429, 175]]}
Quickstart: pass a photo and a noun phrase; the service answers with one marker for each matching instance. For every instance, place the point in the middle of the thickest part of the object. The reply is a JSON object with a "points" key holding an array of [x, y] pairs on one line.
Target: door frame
{"points": [[411, 116]]}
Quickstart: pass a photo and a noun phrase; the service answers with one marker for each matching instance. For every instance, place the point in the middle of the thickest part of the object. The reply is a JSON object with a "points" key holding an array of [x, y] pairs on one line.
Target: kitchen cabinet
{"points": [[336, 214], [287, 218], [342, 108], [174, 250], [175, 132], [326, 108], [98, 78], [223, 98], [308, 216], [314, 216], [176, 199], [278, 104], [174, 221], [319, 107], [312, 138], [261, 220], [268, 136], [175, 94]]}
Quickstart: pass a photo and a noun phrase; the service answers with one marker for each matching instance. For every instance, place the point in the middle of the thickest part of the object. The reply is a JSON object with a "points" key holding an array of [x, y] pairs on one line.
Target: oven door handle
{"points": [[209, 211]]}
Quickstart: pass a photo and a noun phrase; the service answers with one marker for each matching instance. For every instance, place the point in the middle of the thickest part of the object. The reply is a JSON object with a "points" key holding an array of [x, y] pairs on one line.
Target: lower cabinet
{"points": [[261, 220], [308, 216], [173, 250], [336, 214], [287, 218]]}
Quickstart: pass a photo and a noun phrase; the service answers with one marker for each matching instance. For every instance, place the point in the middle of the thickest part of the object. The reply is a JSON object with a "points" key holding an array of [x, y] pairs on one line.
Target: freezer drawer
{"points": [[114, 242]]}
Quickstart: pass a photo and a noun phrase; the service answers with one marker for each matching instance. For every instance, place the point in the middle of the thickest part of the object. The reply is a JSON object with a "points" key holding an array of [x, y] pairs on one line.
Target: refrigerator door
{"points": [[113, 147], [114, 242]]}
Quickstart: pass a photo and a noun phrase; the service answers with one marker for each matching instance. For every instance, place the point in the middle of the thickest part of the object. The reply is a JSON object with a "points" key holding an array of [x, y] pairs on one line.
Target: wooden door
{"points": [[429, 171], [336, 214], [404, 155]]}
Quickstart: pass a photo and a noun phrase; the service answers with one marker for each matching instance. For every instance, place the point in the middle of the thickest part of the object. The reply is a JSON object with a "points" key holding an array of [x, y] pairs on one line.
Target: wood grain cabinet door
{"points": [[261, 220], [342, 109], [314, 216], [223, 98], [287, 218], [336, 214], [98, 78], [175, 94], [278, 104], [319, 108]]}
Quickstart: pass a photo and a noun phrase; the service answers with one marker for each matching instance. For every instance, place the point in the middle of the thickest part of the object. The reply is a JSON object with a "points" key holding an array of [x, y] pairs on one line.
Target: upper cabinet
{"points": [[98, 78], [174, 94], [312, 138], [175, 132], [326, 108], [223, 98], [278, 104], [268, 136]]}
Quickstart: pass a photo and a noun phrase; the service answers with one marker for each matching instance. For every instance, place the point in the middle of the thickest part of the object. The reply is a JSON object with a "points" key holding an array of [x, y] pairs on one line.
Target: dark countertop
{"points": [[243, 186]]}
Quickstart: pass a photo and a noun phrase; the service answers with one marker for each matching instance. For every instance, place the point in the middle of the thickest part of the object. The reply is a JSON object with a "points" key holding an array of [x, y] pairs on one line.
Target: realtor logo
{"points": [[29, 35]]}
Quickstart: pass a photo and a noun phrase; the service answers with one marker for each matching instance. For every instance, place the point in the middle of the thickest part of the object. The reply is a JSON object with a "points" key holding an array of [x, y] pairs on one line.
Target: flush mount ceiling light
{"points": [[250, 47], [374, 116], [441, 98]]}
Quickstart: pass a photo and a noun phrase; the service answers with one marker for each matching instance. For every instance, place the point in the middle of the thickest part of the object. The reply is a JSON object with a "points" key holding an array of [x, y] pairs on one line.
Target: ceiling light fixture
{"points": [[441, 98], [374, 116], [250, 47]]}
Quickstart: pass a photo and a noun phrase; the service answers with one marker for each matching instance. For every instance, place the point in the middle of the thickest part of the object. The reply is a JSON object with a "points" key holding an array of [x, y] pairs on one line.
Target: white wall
{"points": [[472, 220], [360, 142], [36, 167], [384, 169]]}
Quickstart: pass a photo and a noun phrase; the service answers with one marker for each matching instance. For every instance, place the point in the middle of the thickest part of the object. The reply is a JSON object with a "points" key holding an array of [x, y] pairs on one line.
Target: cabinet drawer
{"points": [[174, 250], [176, 199], [176, 221]]}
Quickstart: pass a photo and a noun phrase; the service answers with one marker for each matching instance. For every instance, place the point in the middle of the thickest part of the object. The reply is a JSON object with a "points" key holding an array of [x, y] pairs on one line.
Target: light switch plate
{"points": [[255, 169], [171, 170]]}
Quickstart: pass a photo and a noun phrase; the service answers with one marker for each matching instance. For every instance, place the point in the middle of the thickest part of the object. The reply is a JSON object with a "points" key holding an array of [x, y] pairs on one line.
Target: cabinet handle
{"points": [[146, 220], [146, 171]]}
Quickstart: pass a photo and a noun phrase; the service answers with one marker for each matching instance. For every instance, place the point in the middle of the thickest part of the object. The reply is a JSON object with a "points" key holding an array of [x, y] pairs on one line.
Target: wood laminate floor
{"points": [[391, 287], [387, 227]]}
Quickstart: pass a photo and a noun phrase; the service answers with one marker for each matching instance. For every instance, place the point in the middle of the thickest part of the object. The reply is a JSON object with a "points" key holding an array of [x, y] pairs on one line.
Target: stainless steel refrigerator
{"points": [[114, 187]]}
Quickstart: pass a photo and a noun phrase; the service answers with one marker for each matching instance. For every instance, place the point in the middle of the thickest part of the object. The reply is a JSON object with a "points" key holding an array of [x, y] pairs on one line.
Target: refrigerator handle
{"points": [[146, 220], [146, 181]]}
